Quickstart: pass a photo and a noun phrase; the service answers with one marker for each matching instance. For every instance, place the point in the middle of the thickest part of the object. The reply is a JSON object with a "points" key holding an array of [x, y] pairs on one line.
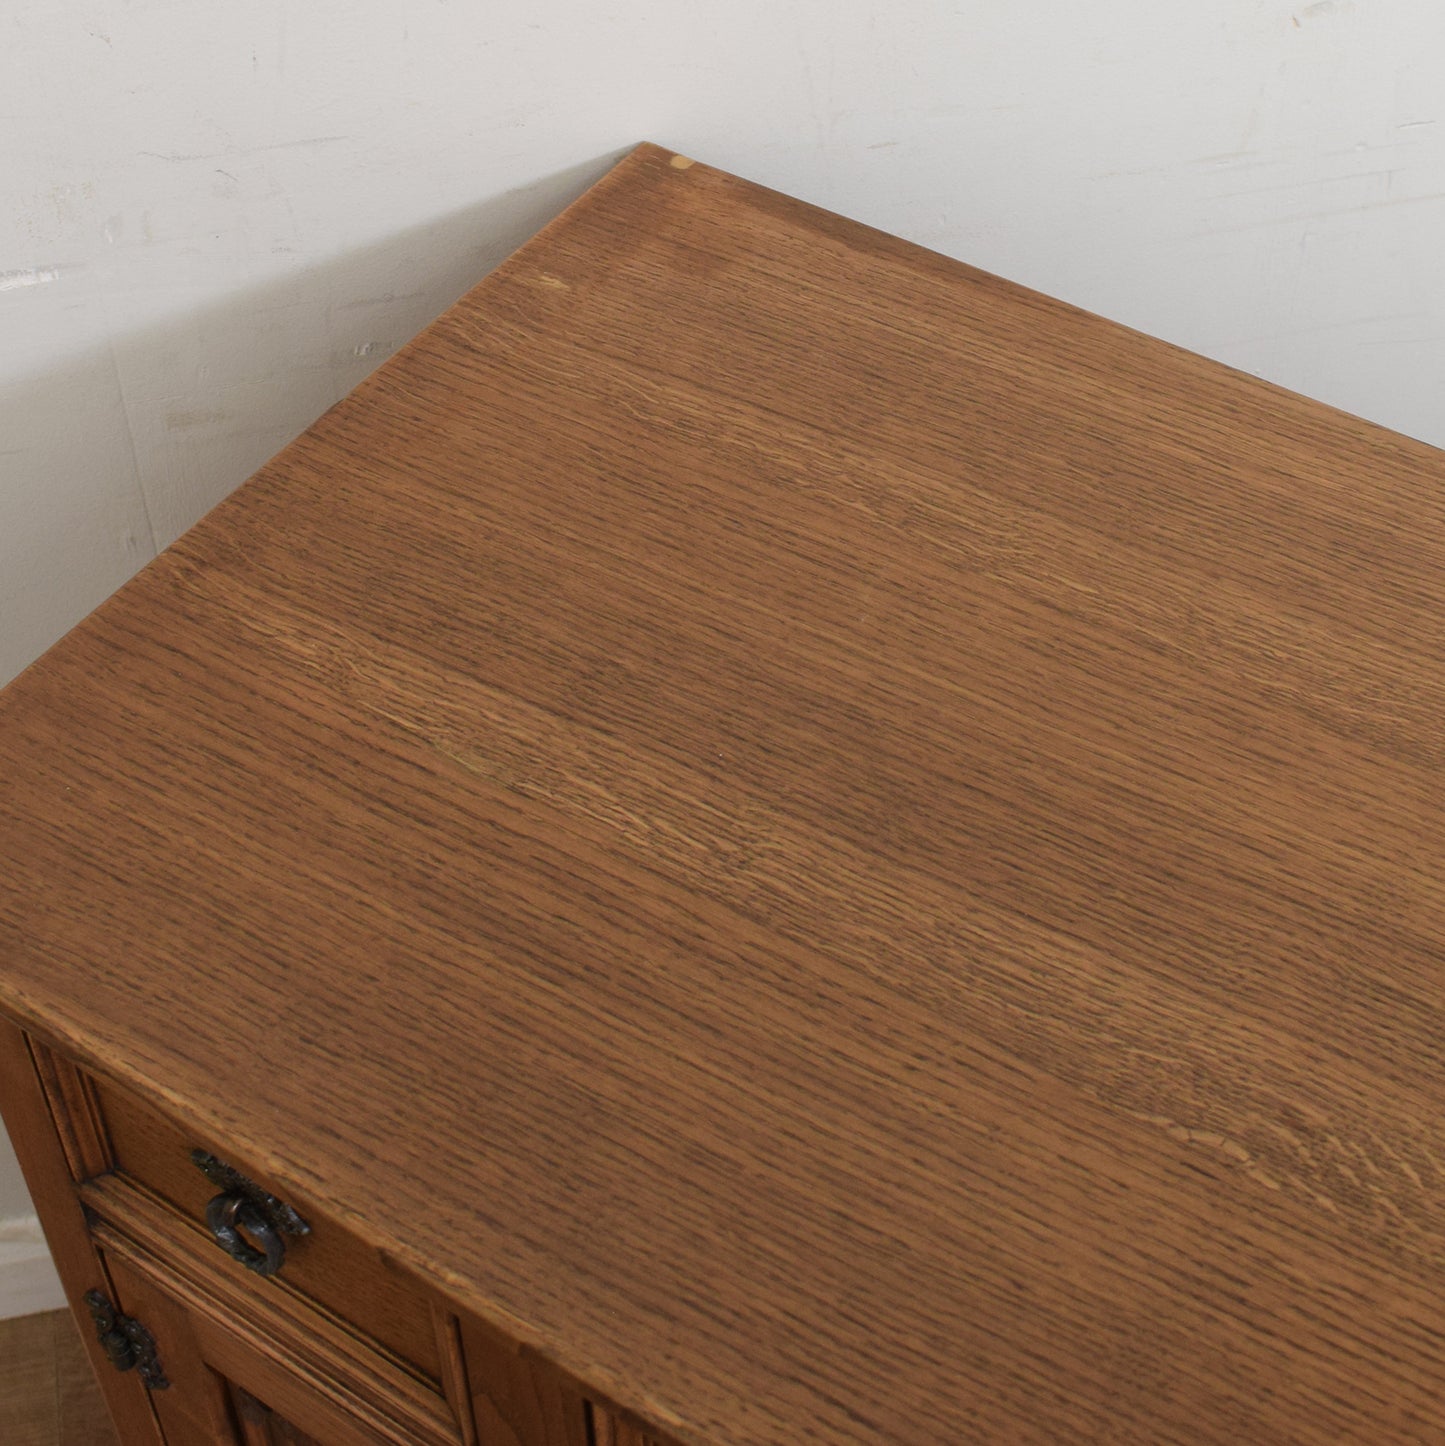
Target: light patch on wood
{"points": [[681, 163]]}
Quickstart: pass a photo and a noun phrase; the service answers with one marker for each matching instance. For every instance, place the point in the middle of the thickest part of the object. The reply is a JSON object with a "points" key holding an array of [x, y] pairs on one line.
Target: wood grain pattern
{"points": [[841, 849]]}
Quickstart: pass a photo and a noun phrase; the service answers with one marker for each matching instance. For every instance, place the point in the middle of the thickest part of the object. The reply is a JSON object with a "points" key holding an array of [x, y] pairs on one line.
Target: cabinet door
{"points": [[220, 1391], [191, 1402]]}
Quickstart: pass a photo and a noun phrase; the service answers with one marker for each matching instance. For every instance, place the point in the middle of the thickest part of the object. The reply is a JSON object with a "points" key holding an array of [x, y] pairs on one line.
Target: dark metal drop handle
{"points": [[228, 1216], [243, 1212]]}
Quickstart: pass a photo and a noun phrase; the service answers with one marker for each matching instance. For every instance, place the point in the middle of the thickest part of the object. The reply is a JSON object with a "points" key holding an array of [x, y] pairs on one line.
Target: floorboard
{"points": [[48, 1393]]}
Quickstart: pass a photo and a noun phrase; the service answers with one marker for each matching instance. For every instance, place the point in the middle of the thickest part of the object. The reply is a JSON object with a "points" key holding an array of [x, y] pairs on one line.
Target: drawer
{"points": [[328, 1265]]}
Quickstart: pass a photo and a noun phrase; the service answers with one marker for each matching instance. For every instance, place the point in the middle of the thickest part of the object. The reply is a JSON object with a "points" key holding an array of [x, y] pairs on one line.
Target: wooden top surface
{"points": [[850, 851]]}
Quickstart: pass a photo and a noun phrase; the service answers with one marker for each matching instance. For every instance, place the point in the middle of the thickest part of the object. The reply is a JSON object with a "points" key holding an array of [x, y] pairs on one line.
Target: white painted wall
{"points": [[217, 217], [28, 1281]]}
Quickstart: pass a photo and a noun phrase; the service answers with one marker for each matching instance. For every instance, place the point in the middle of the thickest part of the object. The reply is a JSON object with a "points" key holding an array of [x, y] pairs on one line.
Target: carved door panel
{"points": [[261, 1426]]}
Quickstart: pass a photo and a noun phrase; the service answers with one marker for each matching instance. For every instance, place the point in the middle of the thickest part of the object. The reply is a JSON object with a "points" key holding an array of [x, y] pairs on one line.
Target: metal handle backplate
{"points": [[244, 1213], [128, 1345]]}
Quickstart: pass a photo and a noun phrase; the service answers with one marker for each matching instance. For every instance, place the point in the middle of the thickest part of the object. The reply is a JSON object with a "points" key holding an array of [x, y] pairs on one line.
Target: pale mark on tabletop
{"points": [[1213, 1141]]}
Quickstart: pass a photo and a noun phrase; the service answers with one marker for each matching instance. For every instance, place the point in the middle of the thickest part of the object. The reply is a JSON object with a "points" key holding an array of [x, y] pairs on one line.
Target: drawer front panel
{"points": [[327, 1265]]}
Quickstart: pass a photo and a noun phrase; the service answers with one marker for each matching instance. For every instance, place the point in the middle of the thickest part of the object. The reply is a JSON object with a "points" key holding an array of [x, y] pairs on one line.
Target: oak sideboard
{"points": [[762, 838]]}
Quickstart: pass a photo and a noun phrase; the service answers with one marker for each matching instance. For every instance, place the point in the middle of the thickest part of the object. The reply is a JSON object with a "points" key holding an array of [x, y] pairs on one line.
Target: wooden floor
{"points": [[48, 1394]]}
